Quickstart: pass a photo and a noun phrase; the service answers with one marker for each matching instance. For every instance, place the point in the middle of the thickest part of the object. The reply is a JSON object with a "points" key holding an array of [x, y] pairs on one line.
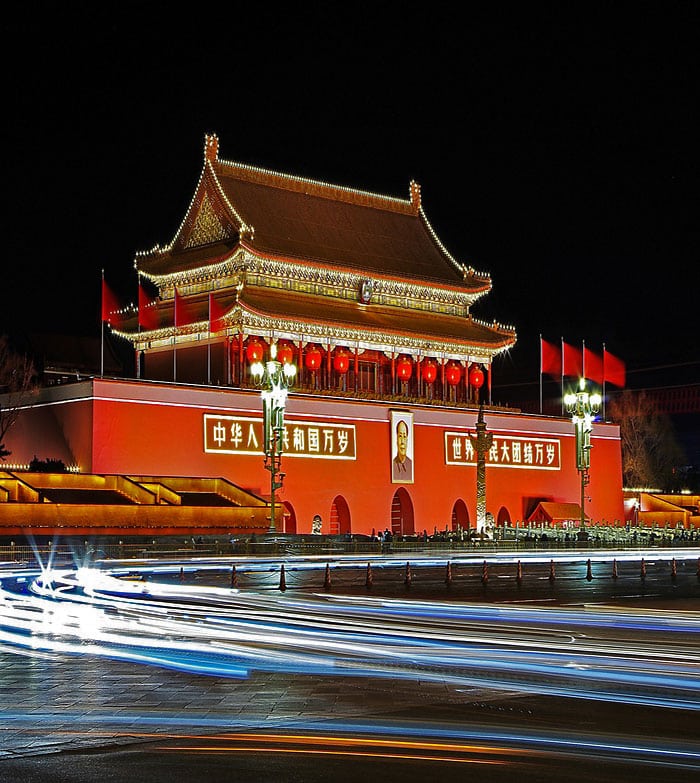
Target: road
{"points": [[383, 675]]}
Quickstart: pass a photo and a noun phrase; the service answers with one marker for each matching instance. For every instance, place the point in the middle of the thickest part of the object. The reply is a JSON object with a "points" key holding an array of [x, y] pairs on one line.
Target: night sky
{"points": [[557, 153]]}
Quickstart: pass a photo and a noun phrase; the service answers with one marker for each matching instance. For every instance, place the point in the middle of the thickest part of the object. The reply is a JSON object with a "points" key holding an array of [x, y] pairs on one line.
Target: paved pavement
{"points": [[55, 702], [60, 702]]}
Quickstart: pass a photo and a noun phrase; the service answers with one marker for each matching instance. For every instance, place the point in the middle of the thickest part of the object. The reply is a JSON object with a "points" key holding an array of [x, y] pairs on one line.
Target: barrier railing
{"points": [[71, 553]]}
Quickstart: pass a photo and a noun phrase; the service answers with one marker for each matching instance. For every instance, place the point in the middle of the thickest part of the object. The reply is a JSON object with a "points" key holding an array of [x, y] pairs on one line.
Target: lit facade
{"points": [[357, 290]]}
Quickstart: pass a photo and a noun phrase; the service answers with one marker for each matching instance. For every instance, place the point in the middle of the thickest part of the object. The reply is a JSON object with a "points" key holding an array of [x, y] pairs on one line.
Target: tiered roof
{"points": [[288, 256]]}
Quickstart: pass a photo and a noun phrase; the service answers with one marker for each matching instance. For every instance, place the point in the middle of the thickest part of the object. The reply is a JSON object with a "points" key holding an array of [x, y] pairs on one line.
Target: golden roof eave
{"points": [[276, 314]]}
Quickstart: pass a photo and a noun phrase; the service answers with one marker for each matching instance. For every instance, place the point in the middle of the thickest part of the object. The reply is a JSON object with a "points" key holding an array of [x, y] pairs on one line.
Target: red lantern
{"points": [[453, 372], [404, 368], [313, 358], [341, 361], [254, 351], [476, 376], [285, 353], [429, 371]]}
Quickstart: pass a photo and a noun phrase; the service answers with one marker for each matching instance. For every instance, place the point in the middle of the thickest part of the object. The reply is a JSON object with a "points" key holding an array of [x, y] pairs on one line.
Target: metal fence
{"points": [[72, 552]]}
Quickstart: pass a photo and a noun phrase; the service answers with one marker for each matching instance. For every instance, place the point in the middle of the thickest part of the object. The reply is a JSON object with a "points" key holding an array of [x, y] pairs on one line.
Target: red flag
{"points": [[148, 312], [572, 360], [592, 366], [216, 314], [613, 369], [550, 359], [110, 305]]}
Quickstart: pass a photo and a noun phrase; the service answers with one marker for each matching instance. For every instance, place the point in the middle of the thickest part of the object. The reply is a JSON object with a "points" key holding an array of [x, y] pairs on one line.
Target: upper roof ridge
{"points": [[255, 174]]}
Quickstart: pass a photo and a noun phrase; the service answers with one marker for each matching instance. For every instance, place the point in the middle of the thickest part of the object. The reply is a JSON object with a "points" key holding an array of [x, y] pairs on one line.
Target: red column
{"points": [[328, 366], [240, 359]]}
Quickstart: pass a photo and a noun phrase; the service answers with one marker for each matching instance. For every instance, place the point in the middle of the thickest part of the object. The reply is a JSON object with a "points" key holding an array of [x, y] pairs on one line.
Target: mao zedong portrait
{"points": [[402, 465]]}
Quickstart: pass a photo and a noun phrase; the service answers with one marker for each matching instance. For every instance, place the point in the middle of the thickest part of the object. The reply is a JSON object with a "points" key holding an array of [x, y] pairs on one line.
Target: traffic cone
{"points": [[484, 573], [519, 573], [448, 574], [234, 577], [407, 580], [614, 573], [327, 578], [551, 571], [673, 569], [589, 573], [369, 575], [643, 570], [283, 581]]}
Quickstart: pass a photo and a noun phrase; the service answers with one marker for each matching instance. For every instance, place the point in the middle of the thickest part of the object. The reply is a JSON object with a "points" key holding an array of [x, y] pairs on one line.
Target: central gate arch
{"points": [[402, 520]]}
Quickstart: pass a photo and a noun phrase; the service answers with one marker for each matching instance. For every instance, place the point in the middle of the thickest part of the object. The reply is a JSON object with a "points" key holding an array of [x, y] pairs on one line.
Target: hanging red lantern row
{"points": [[404, 368], [453, 373], [476, 376], [313, 358], [341, 361], [254, 350], [429, 371], [285, 353]]}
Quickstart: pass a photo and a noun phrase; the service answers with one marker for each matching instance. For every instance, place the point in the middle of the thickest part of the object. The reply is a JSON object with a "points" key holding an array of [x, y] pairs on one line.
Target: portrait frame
{"points": [[402, 473]]}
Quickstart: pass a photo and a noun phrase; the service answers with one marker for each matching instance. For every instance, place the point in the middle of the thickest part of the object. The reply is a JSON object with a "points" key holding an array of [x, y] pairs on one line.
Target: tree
{"points": [[18, 382], [651, 453]]}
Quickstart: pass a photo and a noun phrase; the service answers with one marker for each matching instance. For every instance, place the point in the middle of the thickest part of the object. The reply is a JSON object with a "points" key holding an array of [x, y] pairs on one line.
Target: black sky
{"points": [[557, 152]]}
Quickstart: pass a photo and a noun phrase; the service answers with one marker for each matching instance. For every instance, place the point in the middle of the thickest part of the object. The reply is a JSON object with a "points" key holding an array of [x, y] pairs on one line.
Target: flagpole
{"points": [[541, 358], [209, 345], [102, 326], [562, 376], [175, 319], [604, 419]]}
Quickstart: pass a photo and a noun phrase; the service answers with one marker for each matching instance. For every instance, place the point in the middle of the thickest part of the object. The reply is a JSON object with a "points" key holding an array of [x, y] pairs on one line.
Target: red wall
{"points": [[147, 428]]}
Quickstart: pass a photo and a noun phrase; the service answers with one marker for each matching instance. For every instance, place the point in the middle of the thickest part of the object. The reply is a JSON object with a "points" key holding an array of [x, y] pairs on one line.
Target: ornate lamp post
{"points": [[276, 377], [582, 406]]}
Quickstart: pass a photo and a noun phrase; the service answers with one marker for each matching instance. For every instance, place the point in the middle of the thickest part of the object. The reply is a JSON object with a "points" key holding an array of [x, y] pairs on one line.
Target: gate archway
{"points": [[460, 515], [290, 518], [340, 516], [503, 518], [402, 521]]}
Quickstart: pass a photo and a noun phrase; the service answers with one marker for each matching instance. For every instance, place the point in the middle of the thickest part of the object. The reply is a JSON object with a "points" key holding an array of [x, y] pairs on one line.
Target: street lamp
{"points": [[582, 406], [276, 377]]}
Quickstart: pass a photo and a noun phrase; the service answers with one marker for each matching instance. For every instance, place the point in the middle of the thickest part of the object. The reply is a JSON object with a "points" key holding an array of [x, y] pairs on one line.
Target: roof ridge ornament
{"points": [[415, 195], [211, 147]]}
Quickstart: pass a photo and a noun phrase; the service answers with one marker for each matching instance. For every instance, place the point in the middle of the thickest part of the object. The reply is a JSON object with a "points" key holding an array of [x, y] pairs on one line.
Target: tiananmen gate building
{"points": [[357, 291]]}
